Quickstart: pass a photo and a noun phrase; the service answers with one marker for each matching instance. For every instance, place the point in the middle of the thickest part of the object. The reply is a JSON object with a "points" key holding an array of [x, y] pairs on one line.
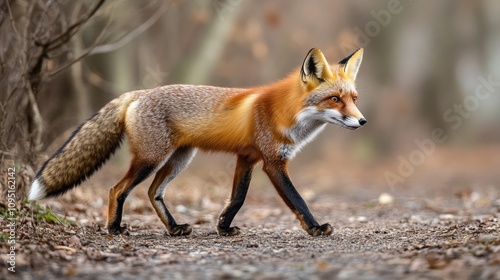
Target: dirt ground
{"points": [[445, 230]]}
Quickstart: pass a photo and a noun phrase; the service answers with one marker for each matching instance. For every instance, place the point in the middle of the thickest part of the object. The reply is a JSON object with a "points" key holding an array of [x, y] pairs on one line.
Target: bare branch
{"points": [[40, 22], [11, 18], [131, 35], [35, 119], [84, 54], [64, 37], [6, 153], [97, 81]]}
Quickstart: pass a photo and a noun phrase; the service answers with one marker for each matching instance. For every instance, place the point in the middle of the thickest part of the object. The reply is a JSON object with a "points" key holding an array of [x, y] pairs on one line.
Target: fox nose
{"points": [[362, 121]]}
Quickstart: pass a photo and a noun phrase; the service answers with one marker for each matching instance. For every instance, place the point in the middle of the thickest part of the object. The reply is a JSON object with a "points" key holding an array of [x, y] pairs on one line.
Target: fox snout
{"points": [[352, 122], [352, 117], [362, 121]]}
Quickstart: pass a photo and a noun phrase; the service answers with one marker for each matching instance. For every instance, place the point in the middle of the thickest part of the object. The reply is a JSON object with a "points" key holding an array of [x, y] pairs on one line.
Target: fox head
{"points": [[331, 94]]}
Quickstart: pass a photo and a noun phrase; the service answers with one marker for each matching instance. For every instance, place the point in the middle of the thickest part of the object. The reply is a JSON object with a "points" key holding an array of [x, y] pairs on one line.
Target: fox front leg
{"points": [[277, 172], [242, 176]]}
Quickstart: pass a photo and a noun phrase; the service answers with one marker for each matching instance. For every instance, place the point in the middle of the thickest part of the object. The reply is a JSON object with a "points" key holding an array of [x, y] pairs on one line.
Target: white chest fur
{"points": [[304, 131]]}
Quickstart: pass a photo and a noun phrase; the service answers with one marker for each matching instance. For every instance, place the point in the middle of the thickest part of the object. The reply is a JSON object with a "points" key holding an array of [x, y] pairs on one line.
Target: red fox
{"points": [[167, 125]]}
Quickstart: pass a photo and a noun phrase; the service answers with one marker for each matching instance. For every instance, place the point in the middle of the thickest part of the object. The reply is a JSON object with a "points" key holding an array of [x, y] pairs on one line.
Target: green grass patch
{"points": [[8, 213], [4, 237], [40, 214], [45, 214]]}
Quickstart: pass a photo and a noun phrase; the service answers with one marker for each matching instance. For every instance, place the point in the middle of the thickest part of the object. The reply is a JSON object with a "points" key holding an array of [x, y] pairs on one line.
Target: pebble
{"points": [[418, 219], [359, 219], [385, 199], [496, 203], [479, 251], [181, 208], [447, 216], [74, 242], [419, 264], [486, 238], [362, 219]]}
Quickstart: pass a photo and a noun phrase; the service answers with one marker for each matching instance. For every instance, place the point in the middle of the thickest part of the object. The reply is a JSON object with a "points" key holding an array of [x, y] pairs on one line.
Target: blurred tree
{"points": [[34, 47], [197, 65]]}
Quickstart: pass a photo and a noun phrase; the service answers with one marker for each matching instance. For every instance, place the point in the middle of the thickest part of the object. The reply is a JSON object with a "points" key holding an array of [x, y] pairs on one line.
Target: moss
{"points": [[40, 214], [46, 215], [4, 237]]}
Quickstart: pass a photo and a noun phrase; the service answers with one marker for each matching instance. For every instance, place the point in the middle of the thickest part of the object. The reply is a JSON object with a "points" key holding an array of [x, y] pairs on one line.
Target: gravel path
{"points": [[408, 239]]}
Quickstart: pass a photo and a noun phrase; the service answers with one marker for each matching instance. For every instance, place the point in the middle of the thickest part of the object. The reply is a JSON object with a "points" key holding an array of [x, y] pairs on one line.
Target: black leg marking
{"points": [[242, 177], [278, 175], [177, 162], [121, 194]]}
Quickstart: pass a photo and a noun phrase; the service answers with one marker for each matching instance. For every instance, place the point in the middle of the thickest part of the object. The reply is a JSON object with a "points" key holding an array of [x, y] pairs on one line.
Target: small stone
{"points": [[419, 220], [486, 238], [74, 242], [479, 251], [474, 196], [362, 219], [385, 199], [308, 194], [181, 208], [21, 260], [480, 218], [419, 264], [496, 203], [347, 274], [447, 216], [165, 257], [451, 253]]}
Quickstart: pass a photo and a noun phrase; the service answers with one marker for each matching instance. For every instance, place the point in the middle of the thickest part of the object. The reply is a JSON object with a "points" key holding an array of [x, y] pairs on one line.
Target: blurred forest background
{"points": [[62, 60]]}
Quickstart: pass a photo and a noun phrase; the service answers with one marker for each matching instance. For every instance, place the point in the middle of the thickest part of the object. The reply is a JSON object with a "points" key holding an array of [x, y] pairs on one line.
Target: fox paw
{"points": [[180, 230], [228, 231], [324, 229], [117, 230]]}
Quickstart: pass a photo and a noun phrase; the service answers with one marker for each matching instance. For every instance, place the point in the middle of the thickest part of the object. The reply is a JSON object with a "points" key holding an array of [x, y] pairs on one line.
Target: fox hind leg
{"points": [[137, 173], [179, 160]]}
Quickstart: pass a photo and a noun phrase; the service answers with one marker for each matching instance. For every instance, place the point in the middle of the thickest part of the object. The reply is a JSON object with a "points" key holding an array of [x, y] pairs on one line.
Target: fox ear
{"points": [[315, 67], [351, 63]]}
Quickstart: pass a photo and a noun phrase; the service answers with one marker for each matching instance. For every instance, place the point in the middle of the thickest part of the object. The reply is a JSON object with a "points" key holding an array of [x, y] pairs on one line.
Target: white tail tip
{"points": [[37, 191]]}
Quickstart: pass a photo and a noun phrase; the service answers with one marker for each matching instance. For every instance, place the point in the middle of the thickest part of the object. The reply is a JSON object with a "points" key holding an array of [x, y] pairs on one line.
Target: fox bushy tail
{"points": [[88, 148]]}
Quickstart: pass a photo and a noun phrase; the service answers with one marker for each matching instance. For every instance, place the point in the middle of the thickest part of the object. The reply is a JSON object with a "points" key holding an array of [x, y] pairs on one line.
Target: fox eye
{"points": [[354, 98], [335, 99]]}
